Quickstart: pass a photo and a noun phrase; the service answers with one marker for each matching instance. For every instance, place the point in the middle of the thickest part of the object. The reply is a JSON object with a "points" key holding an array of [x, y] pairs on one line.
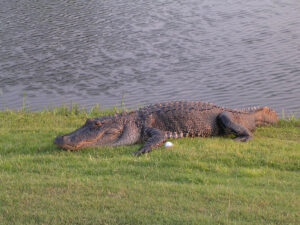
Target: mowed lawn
{"points": [[198, 181]]}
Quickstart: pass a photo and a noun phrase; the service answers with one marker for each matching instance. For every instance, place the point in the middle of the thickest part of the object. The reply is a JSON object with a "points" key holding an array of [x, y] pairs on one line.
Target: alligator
{"points": [[153, 124]]}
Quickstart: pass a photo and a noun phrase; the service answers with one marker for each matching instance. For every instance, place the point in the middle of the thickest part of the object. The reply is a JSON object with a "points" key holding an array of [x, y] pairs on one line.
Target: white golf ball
{"points": [[168, 144]]}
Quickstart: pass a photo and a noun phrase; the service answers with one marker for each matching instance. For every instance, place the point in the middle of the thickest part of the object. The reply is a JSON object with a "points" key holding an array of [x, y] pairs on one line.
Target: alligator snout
{"points": [[58, 140], [62, 141]]}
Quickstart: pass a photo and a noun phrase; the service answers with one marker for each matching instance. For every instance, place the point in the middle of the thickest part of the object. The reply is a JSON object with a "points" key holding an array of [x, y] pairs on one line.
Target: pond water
{"points": [[233, 53]]}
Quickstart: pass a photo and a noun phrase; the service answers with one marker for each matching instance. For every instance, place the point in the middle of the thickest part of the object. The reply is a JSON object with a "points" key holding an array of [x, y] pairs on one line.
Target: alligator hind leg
{"points": [[154, 139], [241, 132]]}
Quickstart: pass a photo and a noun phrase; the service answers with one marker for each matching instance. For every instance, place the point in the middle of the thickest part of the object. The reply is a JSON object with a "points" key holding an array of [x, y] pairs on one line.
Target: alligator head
{"points": [[100, 131], [264, 116]]}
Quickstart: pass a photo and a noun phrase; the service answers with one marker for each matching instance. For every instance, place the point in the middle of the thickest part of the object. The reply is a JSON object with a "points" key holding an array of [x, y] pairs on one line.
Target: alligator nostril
{"points": [[66, 139], [61, 140]]}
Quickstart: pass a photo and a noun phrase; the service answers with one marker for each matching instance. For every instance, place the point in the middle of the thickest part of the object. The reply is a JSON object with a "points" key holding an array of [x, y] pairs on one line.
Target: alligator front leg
{"points": [[154, 139], [241, 132]]}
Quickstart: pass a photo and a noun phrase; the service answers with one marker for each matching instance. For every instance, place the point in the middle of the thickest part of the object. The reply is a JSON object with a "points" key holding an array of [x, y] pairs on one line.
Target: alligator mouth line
{"points": [[68, 147], [76, 147], [80, 144]]}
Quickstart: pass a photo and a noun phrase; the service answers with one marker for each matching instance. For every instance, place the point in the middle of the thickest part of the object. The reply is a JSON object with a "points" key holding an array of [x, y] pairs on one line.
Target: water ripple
{"points": [[233, 53]]}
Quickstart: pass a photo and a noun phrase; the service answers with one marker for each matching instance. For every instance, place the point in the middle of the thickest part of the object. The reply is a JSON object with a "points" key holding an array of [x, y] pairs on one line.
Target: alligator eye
{"points": [[98, 123]]}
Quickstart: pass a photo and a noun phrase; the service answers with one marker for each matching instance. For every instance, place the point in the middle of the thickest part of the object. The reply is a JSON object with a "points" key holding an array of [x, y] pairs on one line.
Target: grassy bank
{"points": [[198, 181]]}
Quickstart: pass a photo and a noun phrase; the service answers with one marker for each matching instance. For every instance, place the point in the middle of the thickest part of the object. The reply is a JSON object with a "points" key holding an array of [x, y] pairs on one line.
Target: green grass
{"points": [[198, 181]]}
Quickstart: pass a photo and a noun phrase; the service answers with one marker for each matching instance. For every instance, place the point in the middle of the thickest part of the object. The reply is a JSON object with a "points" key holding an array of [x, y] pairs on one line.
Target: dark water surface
{"points": [[234, 53]]}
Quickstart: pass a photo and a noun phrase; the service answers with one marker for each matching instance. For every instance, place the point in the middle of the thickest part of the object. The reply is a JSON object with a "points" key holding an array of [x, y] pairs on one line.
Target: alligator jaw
{"points": [[65, 143]]}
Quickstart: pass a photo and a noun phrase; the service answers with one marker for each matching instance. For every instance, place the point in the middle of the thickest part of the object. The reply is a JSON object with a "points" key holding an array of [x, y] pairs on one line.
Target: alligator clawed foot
{"points": [[243, 138], [141, 151]]}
